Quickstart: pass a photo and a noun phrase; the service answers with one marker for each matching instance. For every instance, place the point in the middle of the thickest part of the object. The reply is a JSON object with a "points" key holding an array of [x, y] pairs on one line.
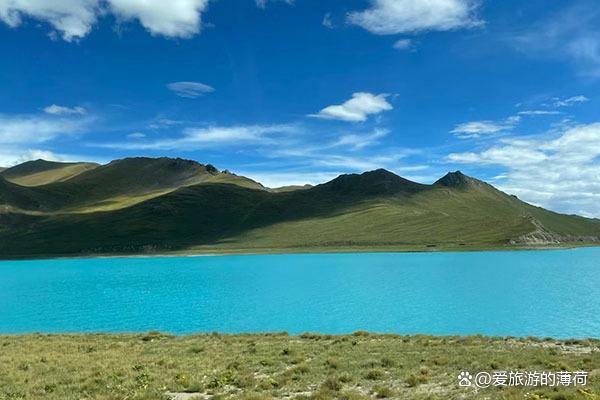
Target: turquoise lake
{"points": [[543, 293]]}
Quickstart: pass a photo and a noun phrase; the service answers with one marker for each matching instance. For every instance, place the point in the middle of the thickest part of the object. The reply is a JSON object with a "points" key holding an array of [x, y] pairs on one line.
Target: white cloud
{"points": [[61, 110], [173, 18], [39, 154], [10, 156], [572, 34], [357, 109], [18, 156], [190, 90], [475, 129], [164, 123], [136, 135], [36, 128], [389, 17], [358, 163], [569, 101], [560, 173], [324, 157], [539, 112], [215, 136], [74, 19], [403, 44], [263, 3], [279, 179], [327, 22], [357, 142]]}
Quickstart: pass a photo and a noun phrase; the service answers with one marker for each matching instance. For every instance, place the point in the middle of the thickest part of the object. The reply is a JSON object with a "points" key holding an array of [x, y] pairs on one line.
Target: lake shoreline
{"points": [[311, 250]]}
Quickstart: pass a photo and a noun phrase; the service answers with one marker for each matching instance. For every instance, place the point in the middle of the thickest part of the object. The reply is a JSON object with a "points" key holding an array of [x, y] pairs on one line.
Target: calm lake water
{"points": [[541, 293]]}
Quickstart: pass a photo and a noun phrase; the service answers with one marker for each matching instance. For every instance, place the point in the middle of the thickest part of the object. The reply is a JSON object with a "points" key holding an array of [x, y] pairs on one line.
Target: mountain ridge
{"points": [[40, 172], [182, 205]]}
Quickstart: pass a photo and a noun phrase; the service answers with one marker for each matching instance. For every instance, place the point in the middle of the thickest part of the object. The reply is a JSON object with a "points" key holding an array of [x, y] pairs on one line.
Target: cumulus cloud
{"points": [[357, 109], [173, 18], [560, 173], [389, 17], [475, 129], [74, 19], [62, 110], [190, 90]]}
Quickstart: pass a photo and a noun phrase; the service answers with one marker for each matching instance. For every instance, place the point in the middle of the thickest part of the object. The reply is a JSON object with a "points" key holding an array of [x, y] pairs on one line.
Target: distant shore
{"points": [[215, 252], [359, 366]]}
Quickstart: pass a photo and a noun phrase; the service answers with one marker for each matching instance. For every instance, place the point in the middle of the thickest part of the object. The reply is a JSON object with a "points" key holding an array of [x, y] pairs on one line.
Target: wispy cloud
{"points": [[62, 110], [357, 109], [214, 136], [10, 156], [572, 34], [37, 128], [189, 89], [288, 178], [359, 162], [136, 135], [568, 102], [475, 129], [263, 3], [357, 141], [539, 112], [403, 44], [389, 17], [327, 21]]}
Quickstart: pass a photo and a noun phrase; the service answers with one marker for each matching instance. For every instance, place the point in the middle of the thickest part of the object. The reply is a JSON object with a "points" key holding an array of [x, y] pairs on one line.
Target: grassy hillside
{"points": [[15, 198], [41, 172], [158, 205], [361, 366], [123, 183]]}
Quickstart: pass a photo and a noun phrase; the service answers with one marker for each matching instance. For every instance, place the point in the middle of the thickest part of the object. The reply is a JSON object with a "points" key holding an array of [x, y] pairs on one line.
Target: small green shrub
{"points": [[383, 392], [333, 384], [374, 375]]}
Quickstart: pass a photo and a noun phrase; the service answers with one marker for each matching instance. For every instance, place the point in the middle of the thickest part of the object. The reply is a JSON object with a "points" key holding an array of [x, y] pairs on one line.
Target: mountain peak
{"points": [[455, 179], [379, 181]]}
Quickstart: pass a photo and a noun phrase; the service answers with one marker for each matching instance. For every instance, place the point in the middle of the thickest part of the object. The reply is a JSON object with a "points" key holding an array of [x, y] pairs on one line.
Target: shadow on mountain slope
{"points": [[376, 207]]}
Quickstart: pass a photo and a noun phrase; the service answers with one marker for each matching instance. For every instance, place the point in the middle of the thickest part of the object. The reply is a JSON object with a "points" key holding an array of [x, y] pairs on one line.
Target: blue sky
{"points": [[300, 91]]}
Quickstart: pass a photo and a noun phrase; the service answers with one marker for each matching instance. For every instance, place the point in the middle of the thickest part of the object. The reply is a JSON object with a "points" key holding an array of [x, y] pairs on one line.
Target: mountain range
{"points": [[161, 205]]}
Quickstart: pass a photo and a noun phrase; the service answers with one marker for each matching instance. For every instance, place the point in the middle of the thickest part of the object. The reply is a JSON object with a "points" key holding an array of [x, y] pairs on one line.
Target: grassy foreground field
{"points": [[278, 366]]}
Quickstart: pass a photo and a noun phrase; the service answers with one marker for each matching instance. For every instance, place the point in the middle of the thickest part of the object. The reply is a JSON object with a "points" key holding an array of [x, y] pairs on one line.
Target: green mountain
{"points": [[123, 183], [184, 206], [41, 172]]}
